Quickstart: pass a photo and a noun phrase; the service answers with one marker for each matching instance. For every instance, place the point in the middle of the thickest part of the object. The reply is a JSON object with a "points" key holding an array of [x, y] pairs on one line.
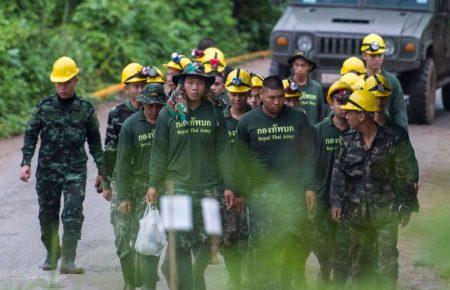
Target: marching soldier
{"points": [[134, 81], [255, 97], [133, 158], [311, 100], [186, 151], [235, 220], [274, 170], [372, 49], [64, 122], [372, 190], [330, 239]]}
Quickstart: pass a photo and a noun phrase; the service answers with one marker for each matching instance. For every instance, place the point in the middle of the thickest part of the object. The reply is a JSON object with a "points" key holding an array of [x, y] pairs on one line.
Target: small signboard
{"points": [[176, 212], [211, 216]]}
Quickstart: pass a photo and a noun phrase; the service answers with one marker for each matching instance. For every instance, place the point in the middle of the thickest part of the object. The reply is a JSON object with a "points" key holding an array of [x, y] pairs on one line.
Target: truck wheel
{"points": [[279, 69], [446, 97], [421, 88]]}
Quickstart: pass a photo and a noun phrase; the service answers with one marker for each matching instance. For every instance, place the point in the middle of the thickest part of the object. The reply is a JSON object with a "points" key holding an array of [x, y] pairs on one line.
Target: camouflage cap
{"points": [[153, 93]]}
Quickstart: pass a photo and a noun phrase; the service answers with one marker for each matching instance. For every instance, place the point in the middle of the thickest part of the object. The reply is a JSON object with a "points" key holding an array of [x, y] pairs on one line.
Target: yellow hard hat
{"points": [[64, 69], [256, 80], [361, 100], [353, 64], [213, 65], [213, 53], [378, 85], [341, 86], [155, 75], [177, 61], [238, 81], [291, 89], [373, 44], [132, 73], [353, 80]]}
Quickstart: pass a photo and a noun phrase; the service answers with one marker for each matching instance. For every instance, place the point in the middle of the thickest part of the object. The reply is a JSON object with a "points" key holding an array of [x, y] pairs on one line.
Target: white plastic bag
{"points": [[151, 237]]}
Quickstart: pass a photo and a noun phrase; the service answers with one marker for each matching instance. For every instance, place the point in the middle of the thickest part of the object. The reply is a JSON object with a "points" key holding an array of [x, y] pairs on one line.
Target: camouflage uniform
{"points": [[373, 187], [63, 128]]}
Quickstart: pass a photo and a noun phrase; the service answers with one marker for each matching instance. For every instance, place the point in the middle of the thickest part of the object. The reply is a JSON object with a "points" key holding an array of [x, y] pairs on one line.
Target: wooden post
{"points": [[214, 249], [173, 285]]}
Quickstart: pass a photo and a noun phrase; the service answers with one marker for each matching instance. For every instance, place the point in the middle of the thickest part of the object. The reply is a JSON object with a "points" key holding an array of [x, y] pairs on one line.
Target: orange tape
{"points": [[103, 93]]}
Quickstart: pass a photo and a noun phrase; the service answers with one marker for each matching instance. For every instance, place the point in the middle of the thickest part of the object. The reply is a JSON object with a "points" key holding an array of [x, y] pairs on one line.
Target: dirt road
{"points": [[21, 251]]}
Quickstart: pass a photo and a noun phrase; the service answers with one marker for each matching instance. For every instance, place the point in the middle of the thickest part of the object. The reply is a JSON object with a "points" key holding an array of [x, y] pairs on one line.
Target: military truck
{"points": [[416, 32]]}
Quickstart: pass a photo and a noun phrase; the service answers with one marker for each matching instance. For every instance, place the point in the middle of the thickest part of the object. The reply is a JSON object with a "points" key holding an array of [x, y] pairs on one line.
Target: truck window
{"points": [[346, 2], [414, 4]]}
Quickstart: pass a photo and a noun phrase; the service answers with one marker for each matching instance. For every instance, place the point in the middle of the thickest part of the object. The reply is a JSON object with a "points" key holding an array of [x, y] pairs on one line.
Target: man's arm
{"points": [[94, 139], [31, 136], [159, 154], [110, 155], [397, 105], [124, 165], [338, 185]]}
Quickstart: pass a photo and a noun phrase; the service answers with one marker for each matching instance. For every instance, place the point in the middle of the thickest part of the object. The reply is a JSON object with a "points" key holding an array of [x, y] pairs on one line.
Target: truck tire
{"points": [[446, 97], [421, 88], [279, 69]]}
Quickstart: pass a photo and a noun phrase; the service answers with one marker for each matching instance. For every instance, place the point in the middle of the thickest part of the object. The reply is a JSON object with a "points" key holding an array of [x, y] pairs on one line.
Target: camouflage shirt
{"points": [[116, 117], [366, 182], [63, 129]]}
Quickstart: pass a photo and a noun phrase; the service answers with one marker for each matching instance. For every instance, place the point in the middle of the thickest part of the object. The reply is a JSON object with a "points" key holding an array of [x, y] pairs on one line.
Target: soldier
{"points": [[372, 49], [186, 151], [353, 65], [311, 100], [291, 93], [331, 243], [372, 190], [255, 97], [235, 220], [133, 158], [64, 122], [214, 63], [174, 67], [274, 170], [134, 81]]}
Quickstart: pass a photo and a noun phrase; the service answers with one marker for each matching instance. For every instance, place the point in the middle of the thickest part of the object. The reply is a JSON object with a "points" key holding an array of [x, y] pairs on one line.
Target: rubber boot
{"points": [[50, 239], [69, 250], [127, 264]]}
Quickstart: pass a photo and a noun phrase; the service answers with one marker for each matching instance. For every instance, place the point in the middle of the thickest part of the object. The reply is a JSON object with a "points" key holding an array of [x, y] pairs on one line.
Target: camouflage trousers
{"points": [[331, 245], [49, 197], [195, 243], [278, 243], [375, 254]]}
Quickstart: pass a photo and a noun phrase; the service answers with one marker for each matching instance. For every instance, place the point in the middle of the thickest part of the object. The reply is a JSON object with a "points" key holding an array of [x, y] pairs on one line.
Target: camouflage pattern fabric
{"points": [[370, 186]]}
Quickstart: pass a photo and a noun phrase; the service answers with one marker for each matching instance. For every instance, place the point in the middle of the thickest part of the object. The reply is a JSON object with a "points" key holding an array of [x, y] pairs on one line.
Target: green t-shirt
{"points": [[274, 151], [189, 156], [329, 138], [133, 155], [396, 106], [312, 101]]}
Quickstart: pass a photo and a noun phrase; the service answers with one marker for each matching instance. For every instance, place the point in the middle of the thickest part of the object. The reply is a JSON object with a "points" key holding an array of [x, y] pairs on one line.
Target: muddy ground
{"points": [[21, 251]]}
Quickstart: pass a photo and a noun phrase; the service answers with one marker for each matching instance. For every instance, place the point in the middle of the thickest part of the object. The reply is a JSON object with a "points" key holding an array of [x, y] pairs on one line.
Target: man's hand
{"points": [[125, 207], [229, 198], [416, 187], [107, 194], [336, 214], [404, 217], [152, 195], [99, 184], [239, 204], [25, 173], [310, 199]]}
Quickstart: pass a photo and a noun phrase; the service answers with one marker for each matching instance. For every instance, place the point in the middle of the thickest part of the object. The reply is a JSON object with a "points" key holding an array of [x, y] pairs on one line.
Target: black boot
{"points": [[127, 264], [53, 248], [69, 250]]}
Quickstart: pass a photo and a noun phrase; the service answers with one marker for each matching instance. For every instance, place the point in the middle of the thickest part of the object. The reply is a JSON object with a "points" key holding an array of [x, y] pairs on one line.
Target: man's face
{"points": [[373, 61], [255, 97], [301, 67], [195, 88], [132, 90], [152, 110], [218, 86], [273, 100], [67, 89], [292, 102], [238, 100], [338, 112], [171, 72], [354, 119]]}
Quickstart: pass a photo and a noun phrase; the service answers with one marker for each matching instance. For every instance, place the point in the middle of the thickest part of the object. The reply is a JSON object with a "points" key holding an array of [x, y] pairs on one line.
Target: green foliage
{"points": [[103, 36]]}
